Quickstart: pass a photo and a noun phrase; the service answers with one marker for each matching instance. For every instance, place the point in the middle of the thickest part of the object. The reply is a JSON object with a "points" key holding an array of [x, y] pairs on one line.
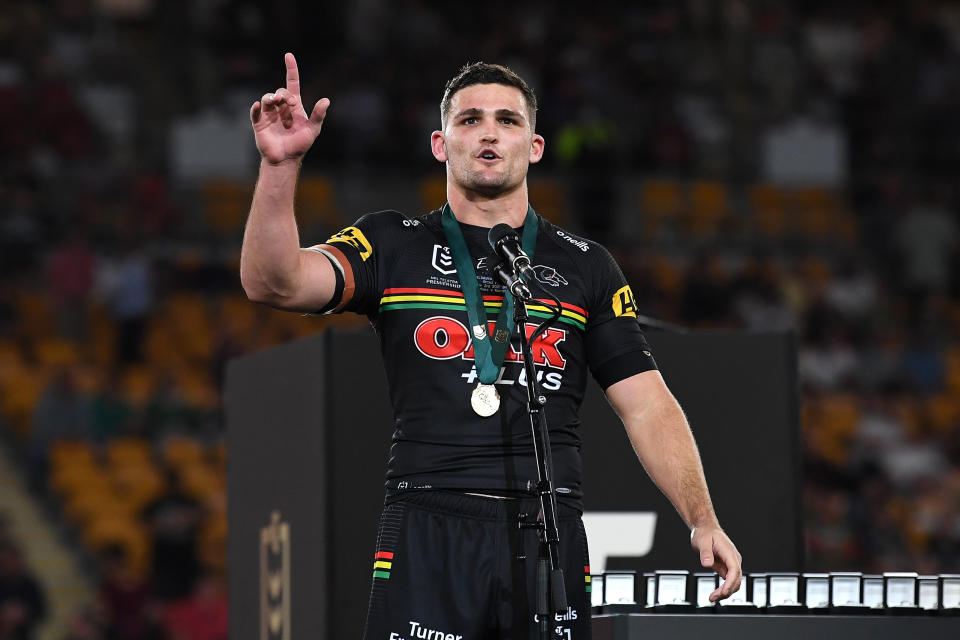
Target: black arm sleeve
{"points": [[616, 345]]}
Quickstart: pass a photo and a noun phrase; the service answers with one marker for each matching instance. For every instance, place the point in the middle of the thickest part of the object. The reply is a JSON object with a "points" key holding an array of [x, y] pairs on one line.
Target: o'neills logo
{"points": [[442, 338], [568, 615], [580, 244], [275, 579]]}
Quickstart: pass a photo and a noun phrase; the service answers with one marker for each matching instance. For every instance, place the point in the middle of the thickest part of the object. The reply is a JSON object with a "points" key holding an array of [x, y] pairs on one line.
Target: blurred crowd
{"points": [[760, 165]]}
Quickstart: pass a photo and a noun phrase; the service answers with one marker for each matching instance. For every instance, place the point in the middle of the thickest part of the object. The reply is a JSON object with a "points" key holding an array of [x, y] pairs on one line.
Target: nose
{"points": [[488, 133]]}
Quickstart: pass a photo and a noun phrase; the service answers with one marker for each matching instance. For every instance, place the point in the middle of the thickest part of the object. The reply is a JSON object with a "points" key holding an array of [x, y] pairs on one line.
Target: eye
{"points": [[508, 121], [470, 120]]}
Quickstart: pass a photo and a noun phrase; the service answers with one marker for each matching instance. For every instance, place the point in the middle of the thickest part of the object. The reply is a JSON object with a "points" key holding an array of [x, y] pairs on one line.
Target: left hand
{"points": [[718, 552]]}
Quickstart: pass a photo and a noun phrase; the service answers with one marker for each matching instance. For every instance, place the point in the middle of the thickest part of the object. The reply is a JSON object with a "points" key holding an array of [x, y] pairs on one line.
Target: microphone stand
{"points": [[551, 592]]}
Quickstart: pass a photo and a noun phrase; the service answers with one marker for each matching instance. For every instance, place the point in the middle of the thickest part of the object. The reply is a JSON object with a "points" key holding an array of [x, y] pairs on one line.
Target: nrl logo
{"points": [[275, 579], [442, 260], [549, 275]]}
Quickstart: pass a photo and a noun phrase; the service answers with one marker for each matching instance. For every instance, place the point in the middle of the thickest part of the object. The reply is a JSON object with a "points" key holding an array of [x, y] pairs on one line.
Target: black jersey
{"points": [[399, 272]]}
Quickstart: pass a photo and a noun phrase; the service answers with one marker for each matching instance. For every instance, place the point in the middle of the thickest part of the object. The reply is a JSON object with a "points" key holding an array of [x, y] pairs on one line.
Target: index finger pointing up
{"points": [[293, 75]]}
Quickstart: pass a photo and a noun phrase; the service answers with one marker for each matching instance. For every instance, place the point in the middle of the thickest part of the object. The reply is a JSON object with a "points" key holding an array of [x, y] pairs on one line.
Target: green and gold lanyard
{"points": [[488, 357]]}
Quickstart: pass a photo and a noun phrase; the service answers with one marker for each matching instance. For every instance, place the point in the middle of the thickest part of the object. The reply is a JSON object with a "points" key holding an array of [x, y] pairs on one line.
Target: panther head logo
{"points": [[549, 275]]}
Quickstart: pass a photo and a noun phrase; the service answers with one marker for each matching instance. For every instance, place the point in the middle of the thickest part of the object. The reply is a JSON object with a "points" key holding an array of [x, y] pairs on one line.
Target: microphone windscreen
{"points": [[499, 232]]}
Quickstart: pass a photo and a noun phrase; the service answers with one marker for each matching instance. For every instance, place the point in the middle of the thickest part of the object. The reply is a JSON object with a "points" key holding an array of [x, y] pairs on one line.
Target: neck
{"points": [[470, 207]]}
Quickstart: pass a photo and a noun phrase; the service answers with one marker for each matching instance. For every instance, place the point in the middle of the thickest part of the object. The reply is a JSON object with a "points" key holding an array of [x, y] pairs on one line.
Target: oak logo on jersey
{"points": [[443, 338], [623, 303], [442, 260], [355, 238]]}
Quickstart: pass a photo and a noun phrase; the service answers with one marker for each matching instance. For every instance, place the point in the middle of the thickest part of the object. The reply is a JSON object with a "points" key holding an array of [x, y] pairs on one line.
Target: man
{"points": [[451, 560]]}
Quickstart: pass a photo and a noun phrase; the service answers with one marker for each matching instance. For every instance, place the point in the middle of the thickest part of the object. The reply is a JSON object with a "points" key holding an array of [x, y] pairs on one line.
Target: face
{"points": [[487, 142]]}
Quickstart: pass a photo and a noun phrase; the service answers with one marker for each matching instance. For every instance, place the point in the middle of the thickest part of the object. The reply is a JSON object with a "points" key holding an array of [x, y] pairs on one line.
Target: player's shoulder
{"points": [[386, 219], [391, 220], [387, 226], [581, 249]]}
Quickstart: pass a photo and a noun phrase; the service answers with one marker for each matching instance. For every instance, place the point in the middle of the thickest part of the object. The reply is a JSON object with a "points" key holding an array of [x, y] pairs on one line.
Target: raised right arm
{"points": [[274, 269]]}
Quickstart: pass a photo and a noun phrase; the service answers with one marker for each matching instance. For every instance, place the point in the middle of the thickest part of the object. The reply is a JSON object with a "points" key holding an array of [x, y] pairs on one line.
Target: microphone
{"points": [[512, 281], [505, 242]]}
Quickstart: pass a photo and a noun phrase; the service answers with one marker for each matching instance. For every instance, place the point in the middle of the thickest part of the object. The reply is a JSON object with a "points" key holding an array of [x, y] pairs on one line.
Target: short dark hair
{"points": [[484, 73]]}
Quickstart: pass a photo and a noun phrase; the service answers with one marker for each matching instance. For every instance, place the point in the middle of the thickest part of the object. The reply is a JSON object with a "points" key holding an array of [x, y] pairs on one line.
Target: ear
{"points": [[536, 148], [438, 145]]}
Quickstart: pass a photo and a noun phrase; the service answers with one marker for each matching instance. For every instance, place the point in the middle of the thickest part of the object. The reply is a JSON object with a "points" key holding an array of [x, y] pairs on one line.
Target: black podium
{"points": [[308, 430]]}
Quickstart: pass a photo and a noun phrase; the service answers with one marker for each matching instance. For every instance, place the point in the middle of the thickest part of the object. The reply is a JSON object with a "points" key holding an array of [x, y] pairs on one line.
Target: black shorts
{"points": [[450, 566]]}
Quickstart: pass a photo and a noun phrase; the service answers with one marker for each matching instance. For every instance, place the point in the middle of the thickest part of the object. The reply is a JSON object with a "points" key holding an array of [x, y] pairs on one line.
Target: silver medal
{"points": [[485, 400]]}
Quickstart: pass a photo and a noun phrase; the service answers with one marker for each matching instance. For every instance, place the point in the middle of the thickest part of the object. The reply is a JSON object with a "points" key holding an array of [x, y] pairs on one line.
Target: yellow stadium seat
{"points": [[200, 481], [768, 211], [19, 398], [180, 450], [709, 208], [317, 203], [660, 200], [64, 452], [953, 366], [124, 531], [433, 192], [72, 479], [667, 275], [36, 314], [137, 384], [943, 412], [137, 486], [829, 423], [226, 204], [549, 198], [54, 352], [212, 543], [129, 451], [91, 504]]}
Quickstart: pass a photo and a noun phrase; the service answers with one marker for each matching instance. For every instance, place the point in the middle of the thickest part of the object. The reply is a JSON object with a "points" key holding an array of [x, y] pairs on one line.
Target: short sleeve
{"points": [[357, 253], [616, 345]]}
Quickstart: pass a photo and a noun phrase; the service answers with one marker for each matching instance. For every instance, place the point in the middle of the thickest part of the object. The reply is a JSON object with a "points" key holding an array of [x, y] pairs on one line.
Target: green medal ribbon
{"points": [[488, 357]]}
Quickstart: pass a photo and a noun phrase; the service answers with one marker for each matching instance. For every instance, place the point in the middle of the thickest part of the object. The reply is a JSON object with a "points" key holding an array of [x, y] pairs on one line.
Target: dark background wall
{"points": [[278, 463]]}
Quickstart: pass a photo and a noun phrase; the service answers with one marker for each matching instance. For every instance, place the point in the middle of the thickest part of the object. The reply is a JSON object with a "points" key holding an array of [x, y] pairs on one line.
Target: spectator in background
{"points": [[585, 146], [852, 293], [5, 529], [927, 237], [203, 616], [924, 366], [705, 301], [22, 600], [70, 275], [168, 410], [111, 414], [919, 456], [21, 231], [127, 599], [758, 300], [125, 283], [62, 412], [174, 520], [829, 363], [86, 625]]}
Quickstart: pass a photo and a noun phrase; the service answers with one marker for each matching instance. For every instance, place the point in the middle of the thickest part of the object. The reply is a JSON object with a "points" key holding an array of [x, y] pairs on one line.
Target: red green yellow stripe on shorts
{"points": [[382, 562], [586, 577]]}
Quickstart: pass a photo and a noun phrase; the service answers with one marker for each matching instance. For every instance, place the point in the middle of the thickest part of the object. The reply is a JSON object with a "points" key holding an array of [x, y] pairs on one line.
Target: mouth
{"points": [[488, 155]]}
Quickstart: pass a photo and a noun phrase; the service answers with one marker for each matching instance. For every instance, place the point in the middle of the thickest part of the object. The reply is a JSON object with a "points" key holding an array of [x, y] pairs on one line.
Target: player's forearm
{"points": [[662, 440], [270, 256]]}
